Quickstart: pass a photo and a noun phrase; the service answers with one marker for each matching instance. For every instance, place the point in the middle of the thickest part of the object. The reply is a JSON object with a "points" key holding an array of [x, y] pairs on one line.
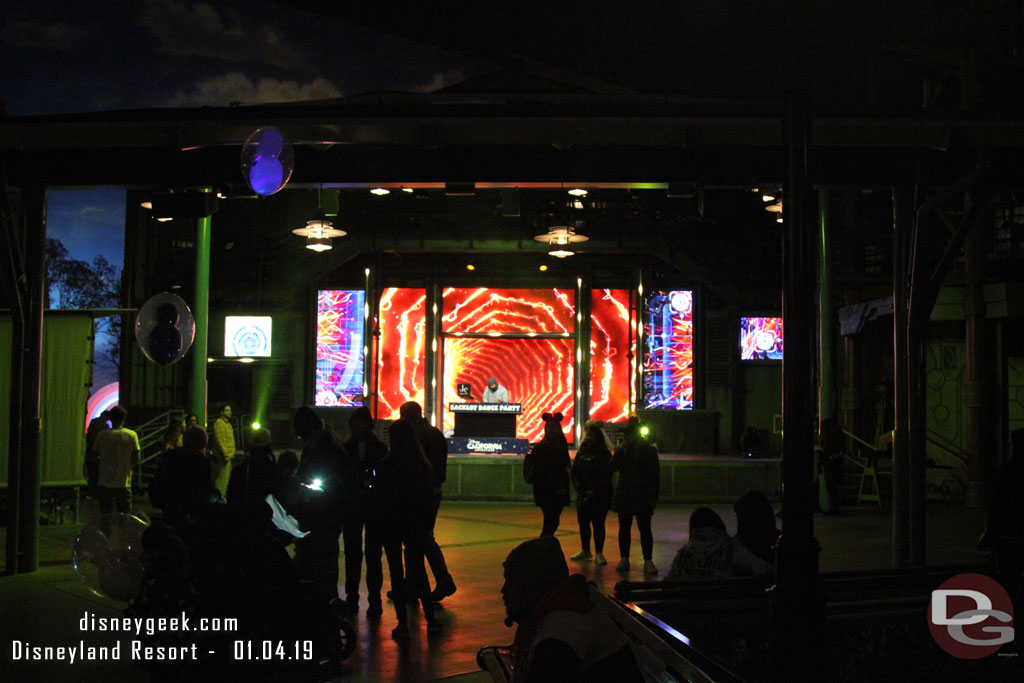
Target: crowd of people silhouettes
{"points": [[224, 524]]}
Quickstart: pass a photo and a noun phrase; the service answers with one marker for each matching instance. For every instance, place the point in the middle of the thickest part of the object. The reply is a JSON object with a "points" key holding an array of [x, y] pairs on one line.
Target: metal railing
{"points": [[151, 433]]}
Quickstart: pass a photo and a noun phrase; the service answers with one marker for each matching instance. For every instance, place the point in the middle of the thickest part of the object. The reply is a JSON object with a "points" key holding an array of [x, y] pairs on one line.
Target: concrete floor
{"points": [[44, 607]]}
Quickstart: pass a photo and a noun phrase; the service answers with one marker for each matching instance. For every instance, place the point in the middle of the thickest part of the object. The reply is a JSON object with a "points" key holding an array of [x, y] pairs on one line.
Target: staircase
{"points": [[151, 445], [946, 474]]}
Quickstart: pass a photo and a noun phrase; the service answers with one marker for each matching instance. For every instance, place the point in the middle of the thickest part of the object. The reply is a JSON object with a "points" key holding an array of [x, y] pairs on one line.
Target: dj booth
{"points": [[486, 428]]}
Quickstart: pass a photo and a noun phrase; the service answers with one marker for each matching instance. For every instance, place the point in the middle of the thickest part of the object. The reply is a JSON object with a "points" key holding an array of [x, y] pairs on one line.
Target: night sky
{"points": [[71, 56], [63, 56]]}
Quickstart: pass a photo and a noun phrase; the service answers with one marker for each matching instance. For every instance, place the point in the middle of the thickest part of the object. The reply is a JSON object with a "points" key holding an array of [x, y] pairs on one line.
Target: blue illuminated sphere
{"points": [[268, 160], [265, 175]]}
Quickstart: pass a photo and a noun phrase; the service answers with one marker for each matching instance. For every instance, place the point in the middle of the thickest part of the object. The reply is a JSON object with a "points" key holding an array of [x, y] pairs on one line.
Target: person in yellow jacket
{"points": [[223, 448]]}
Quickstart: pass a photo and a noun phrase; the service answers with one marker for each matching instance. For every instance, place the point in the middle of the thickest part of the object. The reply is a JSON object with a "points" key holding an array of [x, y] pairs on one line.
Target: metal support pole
{"points": [[797, 603], [851, 398], [201, 312], [13, 278], [639, 336], [826, 311], [900, 444], [32, 366], [981, 386], [431, 403], [582, 358], [917, 494], [369, 347]]}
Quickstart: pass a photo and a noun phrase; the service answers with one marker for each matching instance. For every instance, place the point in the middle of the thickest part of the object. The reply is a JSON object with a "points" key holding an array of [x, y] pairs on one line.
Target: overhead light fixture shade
{"points": [[774, 208], [318, 233], [319, 227], [318, 243], [578, 192], [560, 238]]}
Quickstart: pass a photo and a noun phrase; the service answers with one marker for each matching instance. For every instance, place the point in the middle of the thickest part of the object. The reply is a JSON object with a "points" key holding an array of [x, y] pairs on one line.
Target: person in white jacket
{"points": [[711, 553]]}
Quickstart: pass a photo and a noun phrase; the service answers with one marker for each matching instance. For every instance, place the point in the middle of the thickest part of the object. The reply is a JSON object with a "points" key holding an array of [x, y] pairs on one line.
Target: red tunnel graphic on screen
{"points": [[610, 368], [537, 372], [402, 349]]}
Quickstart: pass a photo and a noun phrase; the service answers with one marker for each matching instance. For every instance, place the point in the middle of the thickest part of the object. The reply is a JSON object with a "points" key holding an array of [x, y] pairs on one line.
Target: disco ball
{"points": [[107, 556], [268, 160]]}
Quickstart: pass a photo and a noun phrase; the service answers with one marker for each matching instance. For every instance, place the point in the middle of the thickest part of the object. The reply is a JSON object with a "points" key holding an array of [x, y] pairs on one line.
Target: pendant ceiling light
{"points": [[318, 233], [560, 239]]}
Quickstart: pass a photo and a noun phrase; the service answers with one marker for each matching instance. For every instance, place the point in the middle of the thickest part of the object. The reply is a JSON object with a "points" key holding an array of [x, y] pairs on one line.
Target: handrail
{"points": [[946, 444], [150, 432], [859, 440]]}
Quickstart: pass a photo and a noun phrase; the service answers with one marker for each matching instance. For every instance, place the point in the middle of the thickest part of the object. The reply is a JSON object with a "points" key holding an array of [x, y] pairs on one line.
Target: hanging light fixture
{"points": [[318, 233], [560, 239]]}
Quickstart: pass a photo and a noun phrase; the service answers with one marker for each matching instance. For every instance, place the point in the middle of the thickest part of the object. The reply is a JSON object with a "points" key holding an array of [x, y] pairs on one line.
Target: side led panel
{"points": [[610, 367], [668, 350], [537, 373], [503, 311], [402, 349], [247, 335], [339, 347], [760, 338]]}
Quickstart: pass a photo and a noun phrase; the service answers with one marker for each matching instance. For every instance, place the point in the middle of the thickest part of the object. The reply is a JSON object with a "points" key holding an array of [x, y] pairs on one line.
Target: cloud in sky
{"points": [[441, 79], [31, 34], [202, 30], [237, 87], [88, 222]]}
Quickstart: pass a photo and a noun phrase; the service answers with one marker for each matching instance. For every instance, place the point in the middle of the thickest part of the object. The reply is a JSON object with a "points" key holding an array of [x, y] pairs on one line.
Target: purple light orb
{"points": [[267, 161], [265, 175]]}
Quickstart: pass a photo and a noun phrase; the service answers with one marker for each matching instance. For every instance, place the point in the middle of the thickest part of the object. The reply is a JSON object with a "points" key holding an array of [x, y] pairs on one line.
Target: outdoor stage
{"points": [[684, 478]]}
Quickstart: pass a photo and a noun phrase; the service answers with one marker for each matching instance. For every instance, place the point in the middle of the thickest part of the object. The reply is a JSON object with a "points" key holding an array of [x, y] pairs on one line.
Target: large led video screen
{"points": [[760, 338], [668, 350], [339, 347], [538, 373], [501, 311], [610, 368], [247, 336], [402, 349]]}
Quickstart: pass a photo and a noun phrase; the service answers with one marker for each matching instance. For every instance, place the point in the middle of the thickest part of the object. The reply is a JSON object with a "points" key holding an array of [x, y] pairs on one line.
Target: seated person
{"points": [[712, 554], [563, 635]]}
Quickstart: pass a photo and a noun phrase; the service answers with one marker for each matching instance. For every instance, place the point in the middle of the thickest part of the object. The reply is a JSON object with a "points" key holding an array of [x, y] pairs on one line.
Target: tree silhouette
{"points": [[74, 283]]}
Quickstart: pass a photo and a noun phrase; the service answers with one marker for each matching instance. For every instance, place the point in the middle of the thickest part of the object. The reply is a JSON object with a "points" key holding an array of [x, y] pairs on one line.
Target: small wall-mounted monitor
{"points": [[760, 338], [247, 336]]}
